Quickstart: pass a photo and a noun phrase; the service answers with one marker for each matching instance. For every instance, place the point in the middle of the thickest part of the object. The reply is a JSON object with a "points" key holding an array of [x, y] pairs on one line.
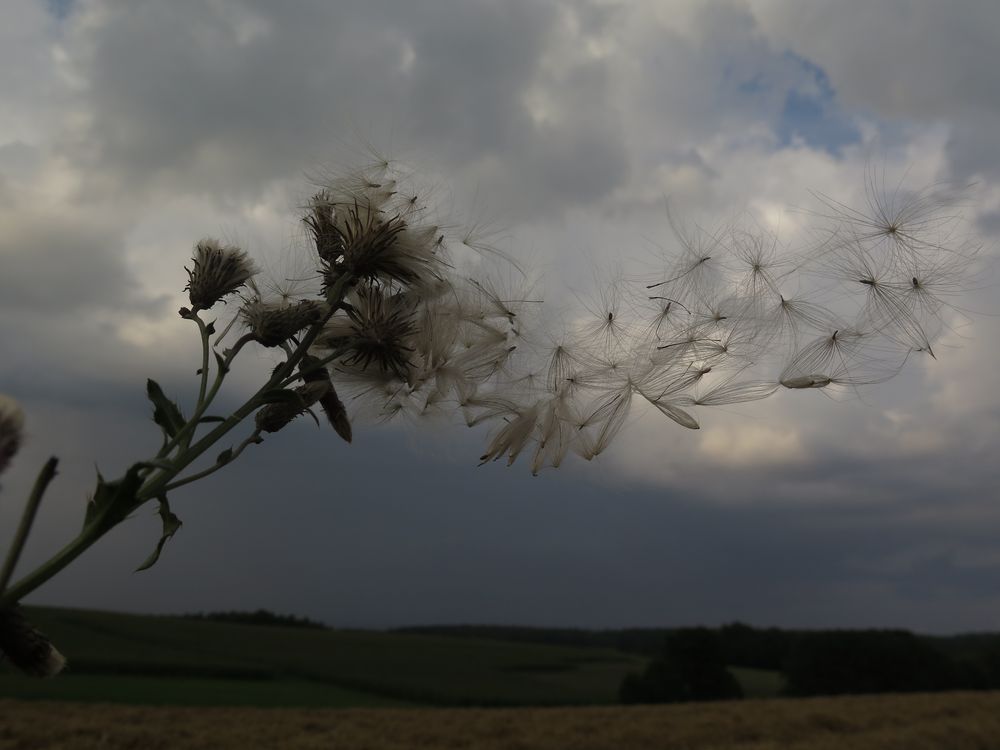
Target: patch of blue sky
{"points": [[59, 8], [812, 115]]}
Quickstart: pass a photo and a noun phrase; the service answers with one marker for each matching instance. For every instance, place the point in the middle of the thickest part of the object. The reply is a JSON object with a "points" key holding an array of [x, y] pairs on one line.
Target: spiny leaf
{"points": [[113, 501], [165, 412], [170, 525]]}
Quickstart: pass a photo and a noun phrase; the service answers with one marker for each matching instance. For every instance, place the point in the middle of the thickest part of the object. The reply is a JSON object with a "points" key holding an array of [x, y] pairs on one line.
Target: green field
{"points": [[180, 691], [154, 660], [170, 660], [758, 683]]}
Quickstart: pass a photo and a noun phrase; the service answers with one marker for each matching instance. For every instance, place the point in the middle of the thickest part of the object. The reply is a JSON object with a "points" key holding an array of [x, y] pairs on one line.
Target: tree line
{"points": [[693, 663]]}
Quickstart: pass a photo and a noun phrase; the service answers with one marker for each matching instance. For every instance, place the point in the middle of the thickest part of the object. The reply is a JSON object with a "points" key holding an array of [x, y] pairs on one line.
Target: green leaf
{"points": [[225, 457], [113, 501], [220, 361], [281, 396], [209, 418], [170, 525], [165, 412]]}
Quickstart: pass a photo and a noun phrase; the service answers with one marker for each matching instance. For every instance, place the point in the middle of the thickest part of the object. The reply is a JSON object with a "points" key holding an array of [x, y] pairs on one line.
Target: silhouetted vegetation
{"points": [[258, 617], [760, 648], [646, 641], [145, 658], [865, 661], [810, 662], [148, 659], [690, 668]]}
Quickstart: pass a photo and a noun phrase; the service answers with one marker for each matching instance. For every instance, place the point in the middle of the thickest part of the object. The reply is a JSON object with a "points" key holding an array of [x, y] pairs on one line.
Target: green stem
{"points": [[184, 435], [156, 485], [334, 296], [45, 476], [316, 366], [203, 330], [53, 565], [254, 439]]}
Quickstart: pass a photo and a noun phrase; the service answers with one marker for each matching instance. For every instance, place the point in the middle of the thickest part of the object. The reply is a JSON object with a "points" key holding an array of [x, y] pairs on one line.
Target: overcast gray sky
{"points": [[130, 130]]}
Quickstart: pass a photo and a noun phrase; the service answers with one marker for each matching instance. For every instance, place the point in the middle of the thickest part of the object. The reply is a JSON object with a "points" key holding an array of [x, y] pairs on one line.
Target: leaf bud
{"points": [[274, 323]]}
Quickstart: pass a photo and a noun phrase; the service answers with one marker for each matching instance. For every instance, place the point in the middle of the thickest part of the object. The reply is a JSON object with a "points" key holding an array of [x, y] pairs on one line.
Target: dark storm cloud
{"points": [[383, 533]]}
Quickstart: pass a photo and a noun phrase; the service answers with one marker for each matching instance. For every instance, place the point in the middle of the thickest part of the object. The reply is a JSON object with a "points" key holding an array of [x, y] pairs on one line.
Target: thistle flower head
{"points": [[11, 430], [273, 323], [218, 271]]}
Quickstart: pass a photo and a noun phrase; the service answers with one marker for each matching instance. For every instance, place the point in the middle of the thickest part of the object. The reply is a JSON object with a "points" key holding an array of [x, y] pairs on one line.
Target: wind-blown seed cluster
{"points": [[412, 327]]}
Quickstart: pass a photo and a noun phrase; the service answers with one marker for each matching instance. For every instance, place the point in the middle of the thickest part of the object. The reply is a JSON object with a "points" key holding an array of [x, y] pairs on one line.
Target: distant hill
{"points": [[267, 659], [196, 661], [815, 662]]}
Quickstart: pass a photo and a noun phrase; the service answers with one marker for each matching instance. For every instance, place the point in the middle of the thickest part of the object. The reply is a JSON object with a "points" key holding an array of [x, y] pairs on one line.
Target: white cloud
{"points": [[751, 445]]}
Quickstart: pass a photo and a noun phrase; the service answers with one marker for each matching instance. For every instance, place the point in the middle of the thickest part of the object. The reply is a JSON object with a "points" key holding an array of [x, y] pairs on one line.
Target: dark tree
{"points": [[865, 661], [690, 668]]}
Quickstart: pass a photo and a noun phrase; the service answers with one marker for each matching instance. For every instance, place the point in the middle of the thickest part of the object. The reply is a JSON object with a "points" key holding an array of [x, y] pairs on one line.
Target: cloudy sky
{"points": [[130, 130]]}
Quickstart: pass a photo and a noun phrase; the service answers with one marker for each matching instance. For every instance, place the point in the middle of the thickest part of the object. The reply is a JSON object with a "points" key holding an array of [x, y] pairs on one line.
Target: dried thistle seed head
{"points": [[377, 332], [320, 219], [274, 323], [11, 430], [27, 648], [357, 235], [219, 270]]}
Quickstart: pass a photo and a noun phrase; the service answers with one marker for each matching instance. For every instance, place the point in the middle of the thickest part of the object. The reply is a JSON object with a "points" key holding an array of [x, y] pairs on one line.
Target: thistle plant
{"points": [[401, 317]]}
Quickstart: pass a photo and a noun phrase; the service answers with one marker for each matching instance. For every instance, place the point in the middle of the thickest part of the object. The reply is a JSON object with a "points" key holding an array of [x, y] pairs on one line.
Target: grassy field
{"points": [[944, 721], [200, 691], [758, 683], [170, 660]]}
